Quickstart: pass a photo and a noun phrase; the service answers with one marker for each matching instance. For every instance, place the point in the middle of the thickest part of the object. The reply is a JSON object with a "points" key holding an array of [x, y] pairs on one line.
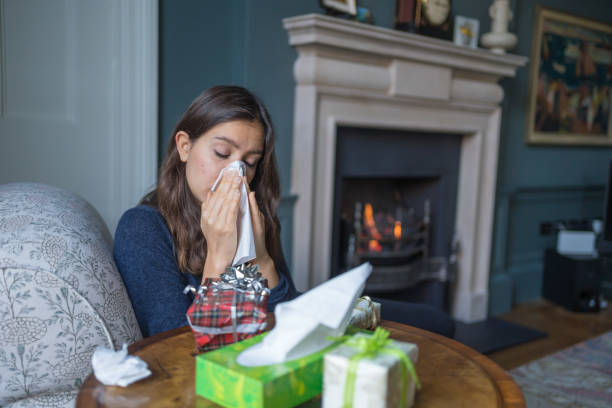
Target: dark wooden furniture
{"points": [[451, 375]]}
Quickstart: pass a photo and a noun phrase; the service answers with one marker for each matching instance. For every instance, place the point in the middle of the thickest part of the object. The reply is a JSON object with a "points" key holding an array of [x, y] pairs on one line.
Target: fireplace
{"points": [[352, 77], [394, 206]]}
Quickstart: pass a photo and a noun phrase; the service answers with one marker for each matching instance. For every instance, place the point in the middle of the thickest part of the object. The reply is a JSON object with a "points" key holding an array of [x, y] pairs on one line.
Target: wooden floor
{"points": [[564, 329]]}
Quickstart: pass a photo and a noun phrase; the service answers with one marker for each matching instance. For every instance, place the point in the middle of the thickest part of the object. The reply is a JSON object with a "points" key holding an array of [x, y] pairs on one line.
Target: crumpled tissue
{"points": [[245, 251], [305, 324], [117, 368]]}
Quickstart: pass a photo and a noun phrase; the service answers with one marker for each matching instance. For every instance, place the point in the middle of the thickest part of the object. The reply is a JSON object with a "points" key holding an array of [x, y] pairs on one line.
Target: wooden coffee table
{"points": [[451, 374]]}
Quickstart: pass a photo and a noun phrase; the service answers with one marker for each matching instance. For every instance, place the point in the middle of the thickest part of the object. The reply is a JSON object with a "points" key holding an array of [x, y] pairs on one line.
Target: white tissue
{"points": [[303, 324], [117, 368], [246, 242]]}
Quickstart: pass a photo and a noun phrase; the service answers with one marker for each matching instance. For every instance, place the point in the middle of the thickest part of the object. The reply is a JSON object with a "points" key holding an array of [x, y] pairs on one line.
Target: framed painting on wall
{"points": [[570, 80]]}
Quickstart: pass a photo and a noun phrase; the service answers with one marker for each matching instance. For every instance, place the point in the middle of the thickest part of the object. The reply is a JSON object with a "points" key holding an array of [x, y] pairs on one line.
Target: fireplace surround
{"points": [[358, 75]]}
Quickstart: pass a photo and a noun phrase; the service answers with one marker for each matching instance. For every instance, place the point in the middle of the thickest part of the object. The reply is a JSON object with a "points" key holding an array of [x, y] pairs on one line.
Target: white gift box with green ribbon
{"points": [[370, 371]]}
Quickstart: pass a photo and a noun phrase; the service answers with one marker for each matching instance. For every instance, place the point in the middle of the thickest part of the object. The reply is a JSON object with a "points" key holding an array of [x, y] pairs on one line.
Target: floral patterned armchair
{"points": [[61, 295]]}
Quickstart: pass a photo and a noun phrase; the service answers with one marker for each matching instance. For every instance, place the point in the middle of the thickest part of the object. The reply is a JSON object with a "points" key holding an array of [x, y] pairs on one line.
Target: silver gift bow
{"points": [[245, 278]]}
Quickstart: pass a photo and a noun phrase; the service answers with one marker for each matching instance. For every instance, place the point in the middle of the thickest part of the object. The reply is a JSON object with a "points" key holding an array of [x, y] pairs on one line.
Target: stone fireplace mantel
{"points": [[353, 74]]}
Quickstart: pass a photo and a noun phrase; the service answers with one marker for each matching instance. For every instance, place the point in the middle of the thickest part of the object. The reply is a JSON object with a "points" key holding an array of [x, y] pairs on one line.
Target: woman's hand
{"points": [[265, 262], [218, 223]]}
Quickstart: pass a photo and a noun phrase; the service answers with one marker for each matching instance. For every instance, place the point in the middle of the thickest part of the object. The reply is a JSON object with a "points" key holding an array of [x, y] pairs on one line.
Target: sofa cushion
{"points": [[60, 293]]}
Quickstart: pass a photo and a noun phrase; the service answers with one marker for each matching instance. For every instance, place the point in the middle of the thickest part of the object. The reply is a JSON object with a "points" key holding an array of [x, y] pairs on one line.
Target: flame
{"points": [[368, 219], [374, 246], [397, 230]]}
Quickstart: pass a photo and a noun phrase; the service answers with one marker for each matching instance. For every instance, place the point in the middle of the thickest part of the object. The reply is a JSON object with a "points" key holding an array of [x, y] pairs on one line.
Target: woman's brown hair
{"points": [[174, 199]]}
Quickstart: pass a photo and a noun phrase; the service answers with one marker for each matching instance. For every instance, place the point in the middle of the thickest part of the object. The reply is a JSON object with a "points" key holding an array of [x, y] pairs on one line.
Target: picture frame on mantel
{"points": [[343, 6], [570, 81]]}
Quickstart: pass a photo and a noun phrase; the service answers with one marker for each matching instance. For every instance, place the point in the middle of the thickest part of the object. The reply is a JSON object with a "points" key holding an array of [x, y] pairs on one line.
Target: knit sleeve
{"points": [[285, 290], [144, 254]]}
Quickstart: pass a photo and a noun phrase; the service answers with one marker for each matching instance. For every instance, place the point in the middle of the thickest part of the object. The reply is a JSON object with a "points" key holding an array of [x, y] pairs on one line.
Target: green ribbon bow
{"points": [[369, 347]]}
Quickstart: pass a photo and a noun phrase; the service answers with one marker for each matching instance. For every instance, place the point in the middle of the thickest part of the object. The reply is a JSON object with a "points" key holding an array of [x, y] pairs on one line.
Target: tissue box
{"points": [[221, 379], [378, 382]]}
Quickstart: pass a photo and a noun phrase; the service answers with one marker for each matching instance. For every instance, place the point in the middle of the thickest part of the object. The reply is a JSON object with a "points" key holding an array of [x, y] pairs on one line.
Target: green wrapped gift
{"points": [[222, 380]]}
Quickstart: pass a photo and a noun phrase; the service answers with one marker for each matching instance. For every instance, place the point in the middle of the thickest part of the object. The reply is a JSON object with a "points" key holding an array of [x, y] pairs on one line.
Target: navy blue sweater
{"points": [[145, 256]]}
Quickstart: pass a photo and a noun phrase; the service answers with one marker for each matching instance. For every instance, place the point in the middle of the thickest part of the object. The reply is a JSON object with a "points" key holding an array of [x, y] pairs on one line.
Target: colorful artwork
{"points": [[570, 80]]}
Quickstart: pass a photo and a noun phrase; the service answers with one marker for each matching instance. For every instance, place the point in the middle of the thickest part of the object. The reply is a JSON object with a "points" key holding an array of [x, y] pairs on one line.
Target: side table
{"points": [[451, 374]]}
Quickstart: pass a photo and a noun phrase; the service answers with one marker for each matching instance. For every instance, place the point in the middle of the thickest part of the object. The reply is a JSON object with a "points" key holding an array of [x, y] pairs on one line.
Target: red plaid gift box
{"points": [[228, 310]]}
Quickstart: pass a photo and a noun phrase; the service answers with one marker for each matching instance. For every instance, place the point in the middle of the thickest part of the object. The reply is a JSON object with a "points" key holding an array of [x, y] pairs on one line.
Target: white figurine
{"points": [[499, 39]]}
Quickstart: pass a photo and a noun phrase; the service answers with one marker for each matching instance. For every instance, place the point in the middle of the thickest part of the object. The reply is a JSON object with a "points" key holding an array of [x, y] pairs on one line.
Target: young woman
{"points": [[182, 232]]}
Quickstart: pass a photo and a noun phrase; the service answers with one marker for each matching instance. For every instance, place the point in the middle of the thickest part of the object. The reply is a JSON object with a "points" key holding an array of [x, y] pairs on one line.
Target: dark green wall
{"points": [[201, 44], [538, 183], [205, 43]]}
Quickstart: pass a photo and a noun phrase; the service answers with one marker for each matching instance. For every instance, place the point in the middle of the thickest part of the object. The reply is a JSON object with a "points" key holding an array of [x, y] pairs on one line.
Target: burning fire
{"points": [[374, 246], [386, 236], [368, 219]]}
